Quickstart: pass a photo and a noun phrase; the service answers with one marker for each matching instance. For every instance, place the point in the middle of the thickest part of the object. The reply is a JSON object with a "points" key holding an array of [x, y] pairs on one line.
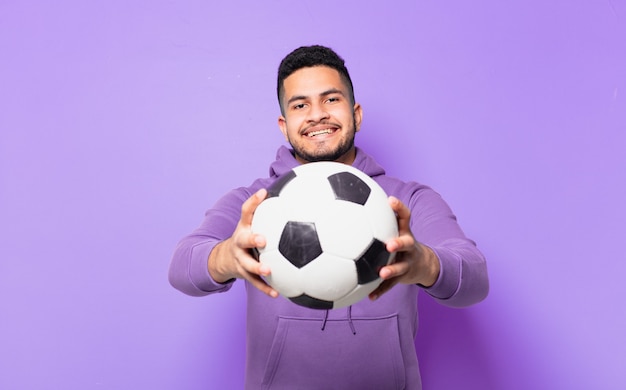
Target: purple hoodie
{"points": [[369, 345]]}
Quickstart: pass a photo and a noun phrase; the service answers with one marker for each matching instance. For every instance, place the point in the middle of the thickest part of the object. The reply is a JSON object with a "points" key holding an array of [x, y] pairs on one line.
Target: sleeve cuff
{"points": [[199, 270]]}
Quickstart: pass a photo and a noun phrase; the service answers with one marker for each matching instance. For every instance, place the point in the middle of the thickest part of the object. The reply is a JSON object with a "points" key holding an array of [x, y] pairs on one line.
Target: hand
{"points": [[232, 259], [414, 263]]}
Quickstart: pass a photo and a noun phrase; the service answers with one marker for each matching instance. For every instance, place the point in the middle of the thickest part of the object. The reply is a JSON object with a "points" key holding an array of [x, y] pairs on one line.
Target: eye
{"points": [[298, 106], [332, 99]]}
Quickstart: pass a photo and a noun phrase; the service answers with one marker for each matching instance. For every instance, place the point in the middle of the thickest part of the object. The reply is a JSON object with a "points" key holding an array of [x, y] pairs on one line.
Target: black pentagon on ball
{"points": [[312, 303], [280, 183], [299, 243], [349, 187], [374, 258]]}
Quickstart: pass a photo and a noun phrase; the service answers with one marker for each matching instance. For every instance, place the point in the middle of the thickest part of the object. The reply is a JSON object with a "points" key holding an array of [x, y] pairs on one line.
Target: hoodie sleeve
{"points": [[189, 270], [463, 278]]}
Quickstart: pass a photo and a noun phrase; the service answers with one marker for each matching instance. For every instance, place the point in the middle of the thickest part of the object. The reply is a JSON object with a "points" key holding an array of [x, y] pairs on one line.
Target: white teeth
{"points": [[318, 132]]}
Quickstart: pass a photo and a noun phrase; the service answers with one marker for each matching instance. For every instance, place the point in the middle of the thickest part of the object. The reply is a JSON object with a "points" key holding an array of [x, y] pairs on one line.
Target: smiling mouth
{"points": [[319, 132]]}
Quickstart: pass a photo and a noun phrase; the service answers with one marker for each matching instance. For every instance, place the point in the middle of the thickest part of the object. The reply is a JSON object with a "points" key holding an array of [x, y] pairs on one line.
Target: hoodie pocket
{"points": [[303, 356]]}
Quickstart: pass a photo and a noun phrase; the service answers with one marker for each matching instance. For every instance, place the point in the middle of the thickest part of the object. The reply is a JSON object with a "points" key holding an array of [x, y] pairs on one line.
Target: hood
{"points": [[285, 161]]}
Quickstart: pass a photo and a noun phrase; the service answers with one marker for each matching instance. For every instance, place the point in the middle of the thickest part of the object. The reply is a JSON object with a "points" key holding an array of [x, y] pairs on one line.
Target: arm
{"points": [[217, 252], [432, 251]]}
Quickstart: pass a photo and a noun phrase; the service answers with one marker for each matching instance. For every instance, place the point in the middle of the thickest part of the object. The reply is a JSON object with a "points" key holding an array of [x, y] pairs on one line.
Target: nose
{"points": [[317, 113]]}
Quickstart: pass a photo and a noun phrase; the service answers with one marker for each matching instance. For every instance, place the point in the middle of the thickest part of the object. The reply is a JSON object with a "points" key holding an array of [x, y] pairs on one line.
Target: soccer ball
{"points": [[326, 225]]}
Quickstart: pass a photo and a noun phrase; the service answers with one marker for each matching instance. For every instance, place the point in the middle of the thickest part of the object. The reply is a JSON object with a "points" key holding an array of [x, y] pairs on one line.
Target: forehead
{"points": [[312, 81]]}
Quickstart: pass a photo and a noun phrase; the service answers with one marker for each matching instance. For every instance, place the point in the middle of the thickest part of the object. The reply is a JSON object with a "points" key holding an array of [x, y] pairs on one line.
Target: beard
{"points": [[323, 152]]}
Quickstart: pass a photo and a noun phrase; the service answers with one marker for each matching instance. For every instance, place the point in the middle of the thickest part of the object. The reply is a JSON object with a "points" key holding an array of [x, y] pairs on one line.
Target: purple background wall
{"points": [[121, 122]]}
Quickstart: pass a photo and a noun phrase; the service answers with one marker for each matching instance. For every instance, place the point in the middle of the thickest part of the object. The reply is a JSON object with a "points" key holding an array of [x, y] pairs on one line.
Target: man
{"points": [[369, 345]]}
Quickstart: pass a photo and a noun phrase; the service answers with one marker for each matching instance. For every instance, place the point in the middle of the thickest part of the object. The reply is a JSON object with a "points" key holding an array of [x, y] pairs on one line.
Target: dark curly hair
{"points": [[309, 56]]}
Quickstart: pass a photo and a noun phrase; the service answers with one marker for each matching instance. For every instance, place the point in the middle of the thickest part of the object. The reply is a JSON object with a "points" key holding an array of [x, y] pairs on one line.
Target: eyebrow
{"points": [[325, 93]]}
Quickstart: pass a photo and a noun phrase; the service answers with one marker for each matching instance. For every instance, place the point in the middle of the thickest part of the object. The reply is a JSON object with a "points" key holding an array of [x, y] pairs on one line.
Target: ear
{"points": [[282, 125], [358, 116]]}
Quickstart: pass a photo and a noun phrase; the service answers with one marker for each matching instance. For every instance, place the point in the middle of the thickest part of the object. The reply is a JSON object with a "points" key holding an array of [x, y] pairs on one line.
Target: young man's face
{"points": [[319, 120]]}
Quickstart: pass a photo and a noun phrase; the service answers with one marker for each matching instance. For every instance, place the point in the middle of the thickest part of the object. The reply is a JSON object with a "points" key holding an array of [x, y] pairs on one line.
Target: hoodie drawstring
{"points": [[349, 320], [325, 319]]}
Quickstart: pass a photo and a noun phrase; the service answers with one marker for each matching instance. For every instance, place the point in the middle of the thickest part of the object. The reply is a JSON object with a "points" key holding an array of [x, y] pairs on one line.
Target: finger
{"points": [[253, 271], [250, 205], [393, 270], [382, 288], [252, 266], [404, 242], [245, 239], [254, 240], [261, 285], [403, 214]]}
